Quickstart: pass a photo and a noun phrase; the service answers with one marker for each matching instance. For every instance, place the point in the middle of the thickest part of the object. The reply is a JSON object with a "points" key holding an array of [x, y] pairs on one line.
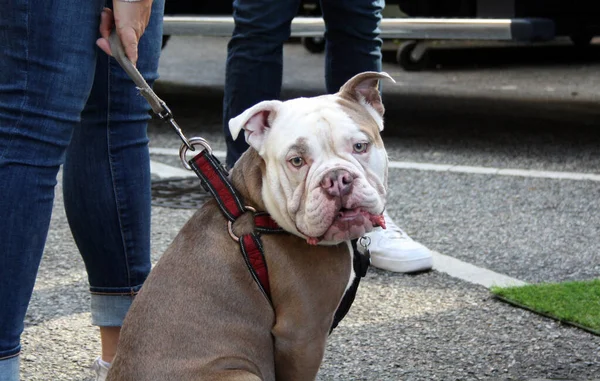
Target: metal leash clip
{"points": [[167, 116], [159, 107]]}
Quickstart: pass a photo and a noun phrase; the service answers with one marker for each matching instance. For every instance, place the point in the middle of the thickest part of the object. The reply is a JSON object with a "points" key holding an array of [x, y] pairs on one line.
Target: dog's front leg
{"points": [[299, 347], [307, 285]]}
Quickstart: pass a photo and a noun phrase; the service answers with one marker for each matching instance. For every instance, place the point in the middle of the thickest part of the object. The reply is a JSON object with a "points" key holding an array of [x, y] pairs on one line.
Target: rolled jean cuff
{"points": [[9, 369], [10, 353], [110, 310]]}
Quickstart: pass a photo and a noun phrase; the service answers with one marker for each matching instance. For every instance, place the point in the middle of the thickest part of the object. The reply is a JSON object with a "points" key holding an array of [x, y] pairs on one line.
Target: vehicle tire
{"points": [[314, 44], [405, 59]]}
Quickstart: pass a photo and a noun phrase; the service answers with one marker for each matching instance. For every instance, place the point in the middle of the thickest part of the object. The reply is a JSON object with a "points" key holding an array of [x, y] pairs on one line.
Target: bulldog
{"points": [[318, 166]]}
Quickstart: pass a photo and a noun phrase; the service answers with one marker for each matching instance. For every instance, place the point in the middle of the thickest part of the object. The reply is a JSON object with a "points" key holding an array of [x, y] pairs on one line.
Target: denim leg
{"points": [[47, 61], [9, 368], [106, 180], [254, 67], [352, 43]]}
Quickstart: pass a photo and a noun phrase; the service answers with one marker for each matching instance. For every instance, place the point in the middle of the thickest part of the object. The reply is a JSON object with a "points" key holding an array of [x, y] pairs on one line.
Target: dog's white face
{"points": [[326, 166]]}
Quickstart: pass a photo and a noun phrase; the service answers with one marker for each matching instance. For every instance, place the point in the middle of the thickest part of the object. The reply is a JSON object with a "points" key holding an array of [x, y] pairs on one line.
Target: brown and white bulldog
{"points": [[318, 166]]}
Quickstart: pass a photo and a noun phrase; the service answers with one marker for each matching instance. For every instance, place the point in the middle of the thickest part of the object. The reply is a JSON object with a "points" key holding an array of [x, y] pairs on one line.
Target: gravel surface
{"points": [[433, 327], [419, 327], [401, 327], [535, 230]]}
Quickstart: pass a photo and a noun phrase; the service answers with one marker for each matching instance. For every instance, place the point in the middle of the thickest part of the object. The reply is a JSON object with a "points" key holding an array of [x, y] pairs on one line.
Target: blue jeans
{"points": [[255, 52], [63, 101]]}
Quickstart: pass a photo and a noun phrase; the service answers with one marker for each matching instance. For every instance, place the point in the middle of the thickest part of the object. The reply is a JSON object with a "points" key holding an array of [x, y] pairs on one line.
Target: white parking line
{"points": [[165, 171], [553, 175], [471, 273], [175, 152], [495, 171]]}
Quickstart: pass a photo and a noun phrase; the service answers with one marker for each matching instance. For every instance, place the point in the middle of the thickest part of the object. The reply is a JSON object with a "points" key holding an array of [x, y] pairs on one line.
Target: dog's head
{"points": [[325, 174]]}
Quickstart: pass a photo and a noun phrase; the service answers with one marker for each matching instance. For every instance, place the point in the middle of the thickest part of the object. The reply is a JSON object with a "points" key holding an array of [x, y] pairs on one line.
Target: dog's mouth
{"points": [[348, 214], [349, 224]]}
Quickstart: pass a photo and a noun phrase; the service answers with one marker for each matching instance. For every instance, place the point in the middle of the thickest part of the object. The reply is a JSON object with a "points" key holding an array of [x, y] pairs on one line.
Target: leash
{"points": [[214, 179], [159, 107]]}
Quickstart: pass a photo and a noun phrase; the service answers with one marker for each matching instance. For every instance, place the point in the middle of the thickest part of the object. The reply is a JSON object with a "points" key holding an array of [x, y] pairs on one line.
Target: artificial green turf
{"points": [[576, 303]]}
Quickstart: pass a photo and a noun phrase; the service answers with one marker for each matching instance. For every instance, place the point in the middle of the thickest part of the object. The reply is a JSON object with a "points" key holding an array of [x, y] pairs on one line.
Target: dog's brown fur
{"points": [[201, 316]]}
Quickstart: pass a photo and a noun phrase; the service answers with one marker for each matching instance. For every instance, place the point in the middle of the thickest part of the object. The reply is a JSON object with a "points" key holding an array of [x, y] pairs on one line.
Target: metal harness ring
{"points": [[230, 224], [193, 143], [364, 241]]}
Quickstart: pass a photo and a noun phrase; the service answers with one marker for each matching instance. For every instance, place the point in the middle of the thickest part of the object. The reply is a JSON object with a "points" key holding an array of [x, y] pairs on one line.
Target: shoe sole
{"points": [[410, 266]]}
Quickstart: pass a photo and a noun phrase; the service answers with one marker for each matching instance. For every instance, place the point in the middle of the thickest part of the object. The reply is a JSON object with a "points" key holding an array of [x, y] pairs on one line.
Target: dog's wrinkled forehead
{"points": [[310, 123], [356, 108]]}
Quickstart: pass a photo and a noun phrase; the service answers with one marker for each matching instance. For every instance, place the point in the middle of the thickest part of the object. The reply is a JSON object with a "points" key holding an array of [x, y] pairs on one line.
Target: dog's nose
{"points": [[337, 182]]}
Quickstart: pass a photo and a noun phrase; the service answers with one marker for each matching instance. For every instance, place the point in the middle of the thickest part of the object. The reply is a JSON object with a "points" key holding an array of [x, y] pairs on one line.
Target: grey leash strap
{"points": [[158, 105]]}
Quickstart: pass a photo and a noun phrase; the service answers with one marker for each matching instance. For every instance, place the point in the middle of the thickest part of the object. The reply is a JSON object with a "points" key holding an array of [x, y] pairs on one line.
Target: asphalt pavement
{"points": [[530, 115]]}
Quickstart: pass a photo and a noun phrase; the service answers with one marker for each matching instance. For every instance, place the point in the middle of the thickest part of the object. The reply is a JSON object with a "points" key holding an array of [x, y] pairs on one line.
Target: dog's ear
{"points": [[255, 122], [365, 86]]}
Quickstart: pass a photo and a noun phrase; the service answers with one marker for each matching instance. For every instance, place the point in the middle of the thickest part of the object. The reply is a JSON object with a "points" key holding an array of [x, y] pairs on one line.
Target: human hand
{"points": [[129, 18]]}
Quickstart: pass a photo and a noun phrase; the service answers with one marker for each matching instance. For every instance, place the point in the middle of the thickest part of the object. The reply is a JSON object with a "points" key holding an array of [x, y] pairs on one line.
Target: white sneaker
{"points": [[393, 250], [101, 369]]}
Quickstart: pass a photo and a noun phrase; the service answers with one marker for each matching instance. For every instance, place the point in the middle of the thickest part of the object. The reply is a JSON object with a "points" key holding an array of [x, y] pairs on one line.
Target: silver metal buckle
{"points": [[190, 145]]}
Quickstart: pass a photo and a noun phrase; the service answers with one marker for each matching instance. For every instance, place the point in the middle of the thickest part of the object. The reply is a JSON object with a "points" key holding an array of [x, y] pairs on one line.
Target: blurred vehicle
{"points": [[412, 23]]}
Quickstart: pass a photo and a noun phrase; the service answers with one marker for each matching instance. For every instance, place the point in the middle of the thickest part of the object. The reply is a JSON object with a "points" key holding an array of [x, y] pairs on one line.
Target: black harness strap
{"points": [[360, 263]]}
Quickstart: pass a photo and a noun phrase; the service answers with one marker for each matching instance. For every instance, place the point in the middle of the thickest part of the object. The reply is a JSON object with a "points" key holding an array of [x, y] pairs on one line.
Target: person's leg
{"points": [[106, 185], [47, 62], [353, 46], [254, 60], [352, 43]]}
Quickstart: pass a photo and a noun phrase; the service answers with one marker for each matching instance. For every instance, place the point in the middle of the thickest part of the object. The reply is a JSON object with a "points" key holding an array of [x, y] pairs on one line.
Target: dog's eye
{"points": [[297, 161], [361, 147]]}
